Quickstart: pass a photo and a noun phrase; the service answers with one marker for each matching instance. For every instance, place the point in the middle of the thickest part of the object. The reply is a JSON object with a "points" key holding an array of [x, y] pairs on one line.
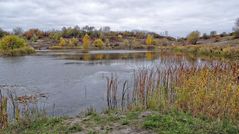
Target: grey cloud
{"points": [[176, 16]]}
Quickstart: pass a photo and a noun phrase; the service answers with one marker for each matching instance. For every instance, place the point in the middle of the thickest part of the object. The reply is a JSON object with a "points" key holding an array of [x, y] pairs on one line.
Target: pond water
{"points": [[74, 81]]}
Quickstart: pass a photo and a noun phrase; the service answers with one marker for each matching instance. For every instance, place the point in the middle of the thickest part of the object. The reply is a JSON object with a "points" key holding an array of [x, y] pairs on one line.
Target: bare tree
{"points": [[236, 28], [17, 31]]}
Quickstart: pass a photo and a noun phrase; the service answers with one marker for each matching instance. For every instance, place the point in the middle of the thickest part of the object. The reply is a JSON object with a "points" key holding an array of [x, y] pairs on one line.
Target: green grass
{"points": [[162, 123], [177, 122], [50, 125]]}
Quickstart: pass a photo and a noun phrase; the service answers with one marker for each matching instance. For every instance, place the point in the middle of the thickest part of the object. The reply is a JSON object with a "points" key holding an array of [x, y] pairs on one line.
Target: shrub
{"points": [[62, 42], [126, 43], [98, 43], [12, 42], [13, 45], [73, 41], [193, 37]]}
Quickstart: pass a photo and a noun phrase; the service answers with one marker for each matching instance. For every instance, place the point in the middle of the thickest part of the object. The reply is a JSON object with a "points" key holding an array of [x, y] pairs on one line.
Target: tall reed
{"points": [[210, 90]]}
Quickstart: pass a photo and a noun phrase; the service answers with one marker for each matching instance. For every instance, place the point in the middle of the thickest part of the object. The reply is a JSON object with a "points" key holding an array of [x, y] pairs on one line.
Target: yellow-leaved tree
{"points": [[149, 40], [86, 41]]}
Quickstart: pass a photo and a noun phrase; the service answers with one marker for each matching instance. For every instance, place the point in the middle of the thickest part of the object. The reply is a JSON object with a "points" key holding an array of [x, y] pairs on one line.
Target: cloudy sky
{"points": [[176, 16]]}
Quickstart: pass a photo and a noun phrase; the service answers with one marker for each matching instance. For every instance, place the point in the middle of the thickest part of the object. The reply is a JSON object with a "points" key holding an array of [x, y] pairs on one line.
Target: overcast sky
{"points": [[176, 16]]}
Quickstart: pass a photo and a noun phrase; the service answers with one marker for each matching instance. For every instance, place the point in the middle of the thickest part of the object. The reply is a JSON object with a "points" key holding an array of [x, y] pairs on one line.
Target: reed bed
{"points": [[210, 90]]}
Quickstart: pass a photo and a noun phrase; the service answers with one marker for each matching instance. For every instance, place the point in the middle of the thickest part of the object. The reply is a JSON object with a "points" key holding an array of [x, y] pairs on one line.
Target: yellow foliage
{"points": [[193, 37], [211, 91], [86, 41], [62, 42], [73, 41], [149, 39], [12, 42], [214, 93], [98, 43]]}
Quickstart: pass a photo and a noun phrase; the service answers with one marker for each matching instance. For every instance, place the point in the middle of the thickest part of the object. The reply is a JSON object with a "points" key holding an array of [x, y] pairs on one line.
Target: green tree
{"points": [[193, 37], [99, 43], [86, 41], [149, 40]]}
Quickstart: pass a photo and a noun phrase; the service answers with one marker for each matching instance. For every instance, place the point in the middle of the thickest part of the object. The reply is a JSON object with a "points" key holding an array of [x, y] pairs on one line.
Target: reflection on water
{"points": [[74, 80]]}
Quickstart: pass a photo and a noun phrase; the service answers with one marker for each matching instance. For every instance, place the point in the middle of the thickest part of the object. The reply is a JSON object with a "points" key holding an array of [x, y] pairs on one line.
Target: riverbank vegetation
{"points": [[179, 99], [12, 45], [211, 51]]}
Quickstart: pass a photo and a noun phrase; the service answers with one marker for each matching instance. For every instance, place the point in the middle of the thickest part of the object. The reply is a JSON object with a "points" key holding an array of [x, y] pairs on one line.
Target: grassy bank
{"points": [[229, 52], [130, 122]]}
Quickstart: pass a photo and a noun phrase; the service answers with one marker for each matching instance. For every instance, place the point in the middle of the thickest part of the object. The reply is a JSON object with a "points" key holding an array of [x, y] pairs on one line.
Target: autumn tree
{"points": [[149, 40], [193, 37], [33, 32], [86, 41]]}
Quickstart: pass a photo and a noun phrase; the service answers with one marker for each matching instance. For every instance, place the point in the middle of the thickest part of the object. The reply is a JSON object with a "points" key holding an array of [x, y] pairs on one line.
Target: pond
{"points": [[75, 81]]}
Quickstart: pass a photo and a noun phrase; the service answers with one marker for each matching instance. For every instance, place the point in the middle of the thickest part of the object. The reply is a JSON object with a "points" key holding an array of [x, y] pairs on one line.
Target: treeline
{"points": [[115, 38], [77, 32]]}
